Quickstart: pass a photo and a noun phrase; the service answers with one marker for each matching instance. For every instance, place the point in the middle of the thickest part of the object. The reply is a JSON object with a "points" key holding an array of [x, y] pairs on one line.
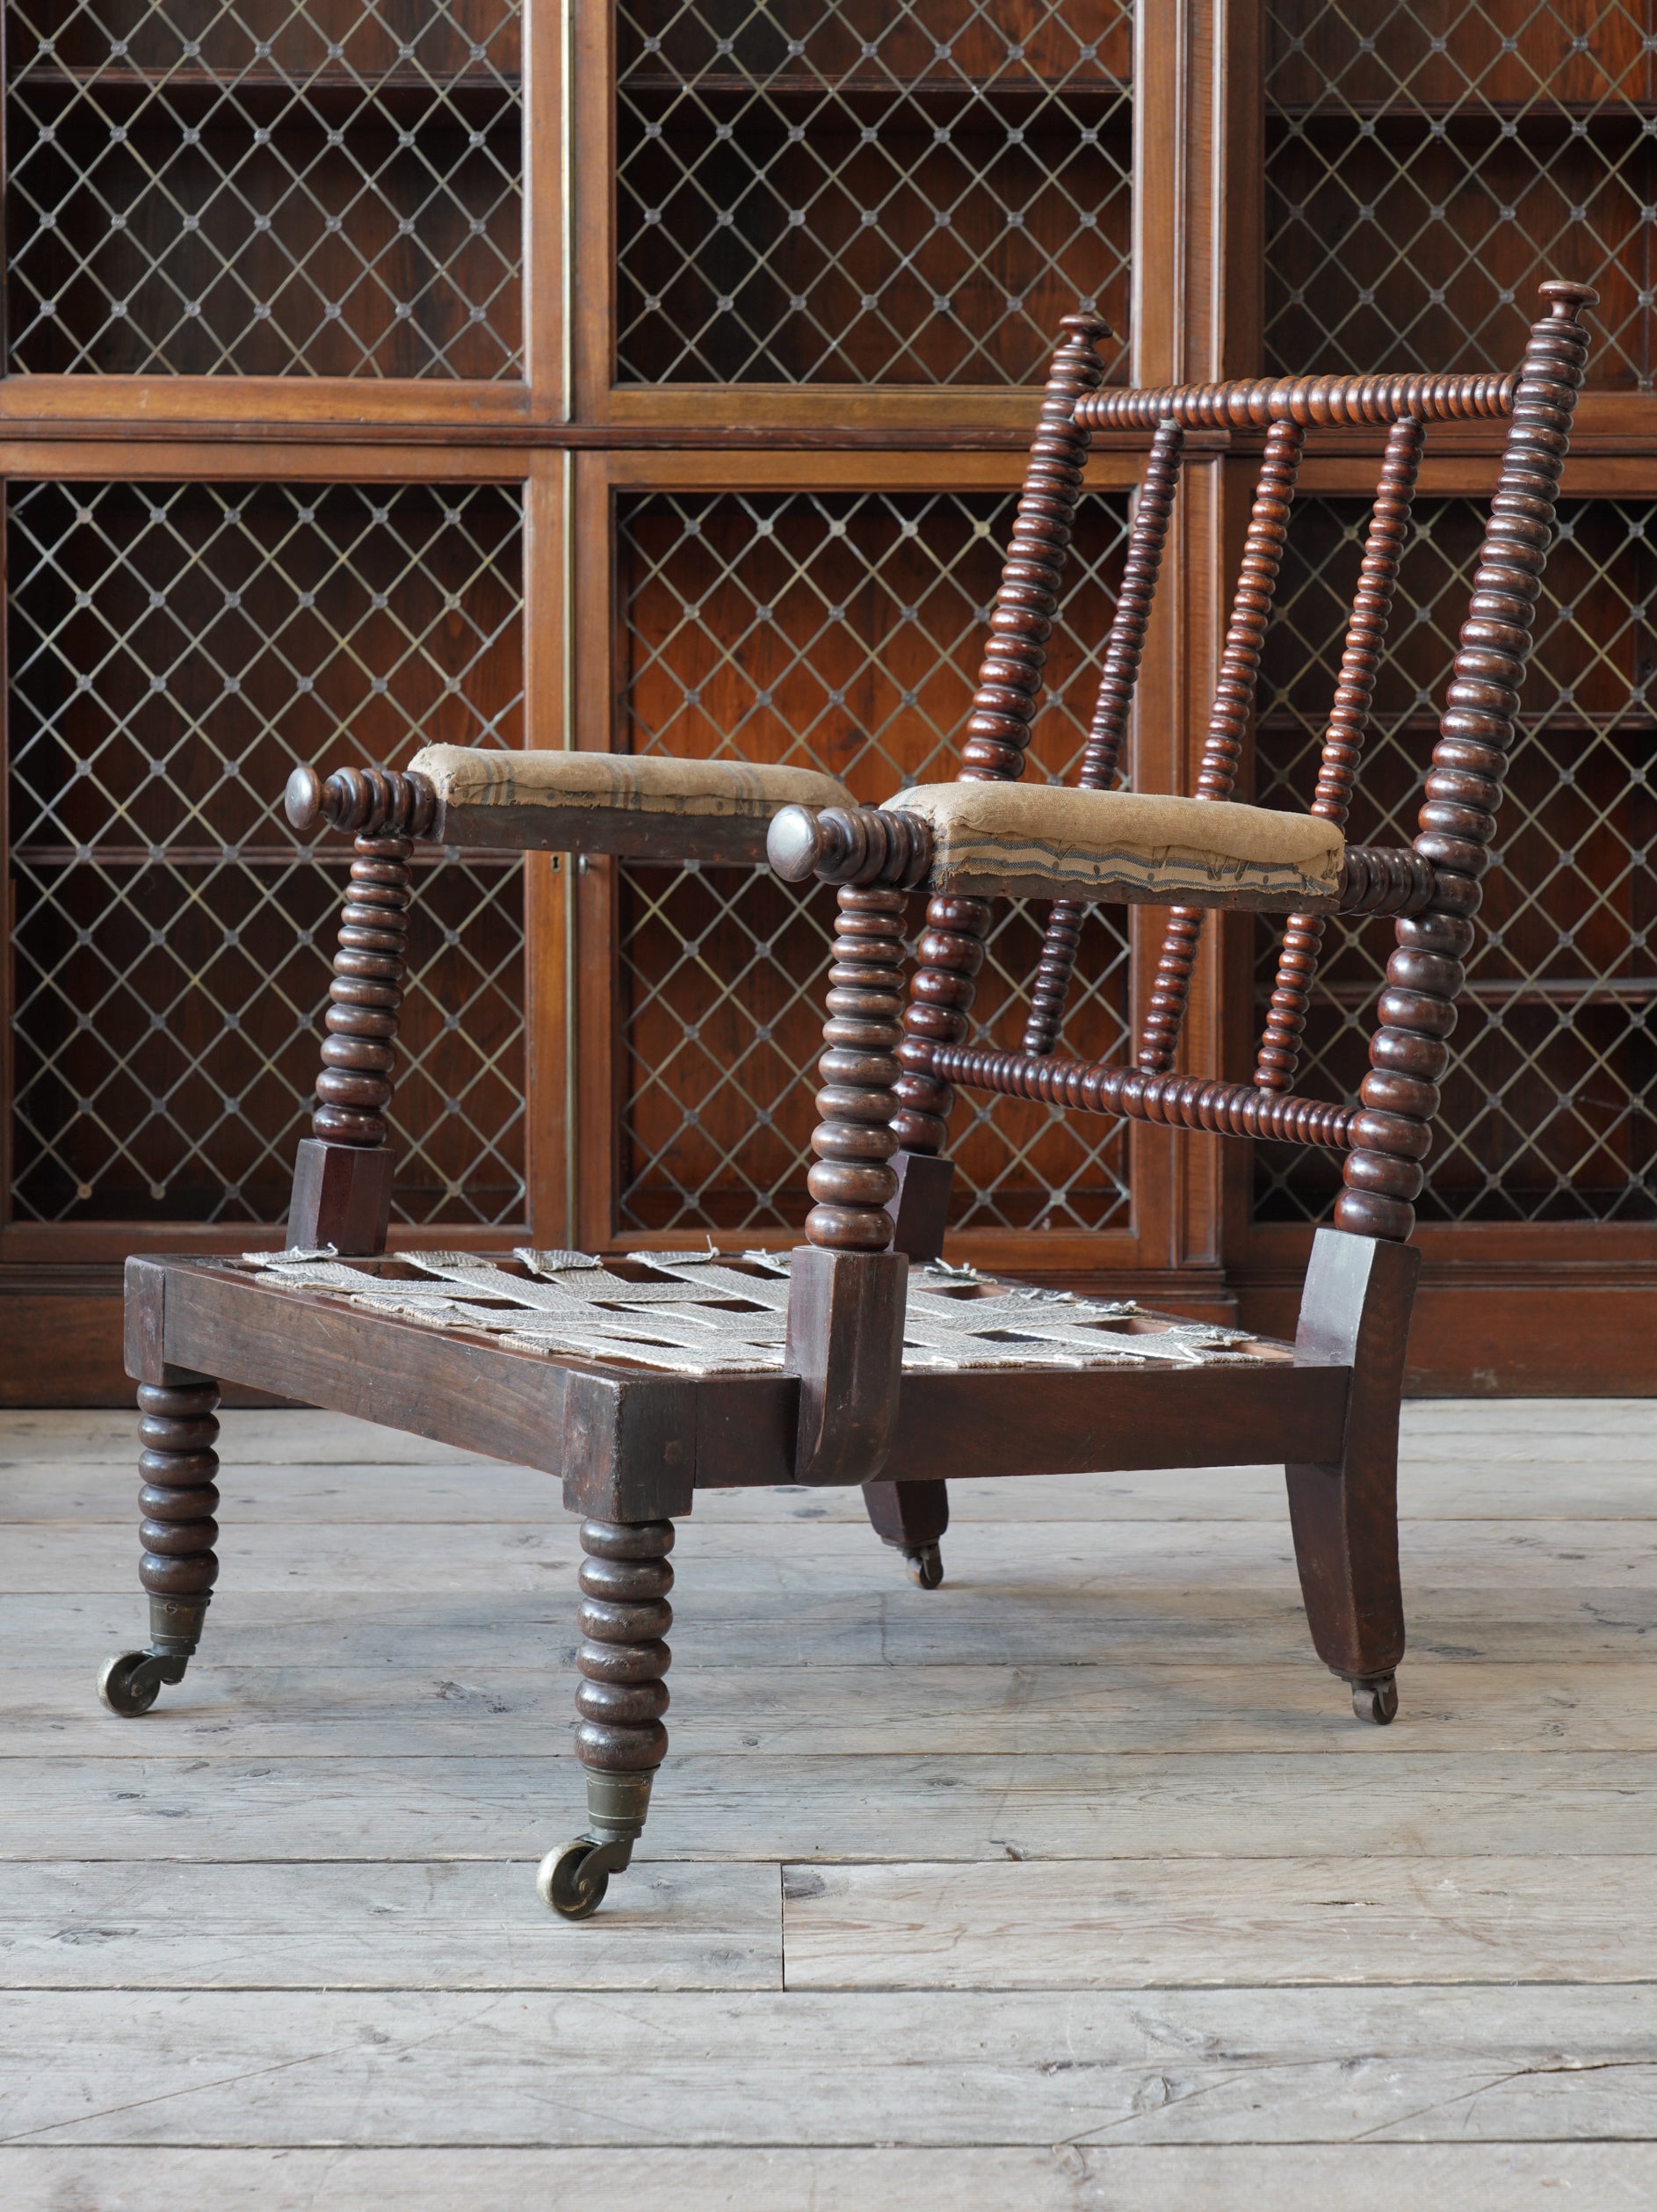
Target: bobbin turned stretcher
{"points": [[863, 1357]]}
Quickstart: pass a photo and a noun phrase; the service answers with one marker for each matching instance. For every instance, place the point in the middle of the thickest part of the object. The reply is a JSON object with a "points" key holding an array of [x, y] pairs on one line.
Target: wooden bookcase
{"points": [[658, 377]]}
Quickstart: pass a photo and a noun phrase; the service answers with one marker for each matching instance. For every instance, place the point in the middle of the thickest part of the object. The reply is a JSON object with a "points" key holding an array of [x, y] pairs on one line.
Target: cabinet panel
{"points": [[173, 650], [867, 193], [1428, 166], [841, 630], [264, 189], [1549, 1107]]}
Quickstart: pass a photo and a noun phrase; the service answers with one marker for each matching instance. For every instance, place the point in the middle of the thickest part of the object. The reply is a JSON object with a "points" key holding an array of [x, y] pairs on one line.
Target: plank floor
{"points": [[1070, 1886]]}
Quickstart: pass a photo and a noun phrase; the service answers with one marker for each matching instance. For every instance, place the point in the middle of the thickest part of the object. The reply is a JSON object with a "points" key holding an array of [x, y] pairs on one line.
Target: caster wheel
{"points": [[128, 1684], [926, 1566], [1376, 1701], [570, 1882]]}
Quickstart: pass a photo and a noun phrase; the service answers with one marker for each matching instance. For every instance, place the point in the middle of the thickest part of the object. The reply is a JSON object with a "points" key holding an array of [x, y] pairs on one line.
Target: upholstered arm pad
{"points": [[643, 806], [1048, 841]]}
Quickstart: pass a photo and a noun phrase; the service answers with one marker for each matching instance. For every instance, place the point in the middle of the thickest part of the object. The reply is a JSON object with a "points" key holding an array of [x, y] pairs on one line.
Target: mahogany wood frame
{"points": [[1492, 1316]]}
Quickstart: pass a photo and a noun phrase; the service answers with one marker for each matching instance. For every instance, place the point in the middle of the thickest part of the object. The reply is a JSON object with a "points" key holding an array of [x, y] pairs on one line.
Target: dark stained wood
{"points": [[1490, 1328], [1424, 976], [912, 1516], [850, 1180], [342, 1196], [845, 1344], [1301, 401], [920, 1206], [1179, 1102], [370, 970], [549, 1013], [1227, 723], [145, 1335], [1108, 733], [1355, 1316], [177, 1503], [629, 1446], [221, 1321], [218, 1318], [847, 1287], [1073, 1422], [709, 840], [624, 1618], [1343, 740]]}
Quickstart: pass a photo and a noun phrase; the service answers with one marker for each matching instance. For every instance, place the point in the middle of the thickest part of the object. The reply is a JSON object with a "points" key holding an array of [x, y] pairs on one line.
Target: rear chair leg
{"points": [[912, 1516], [1356, 1312], [178, 1568], [620, 1740]]}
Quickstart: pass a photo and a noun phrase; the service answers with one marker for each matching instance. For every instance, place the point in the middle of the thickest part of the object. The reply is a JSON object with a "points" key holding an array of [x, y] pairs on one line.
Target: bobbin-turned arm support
{"points": [[644, 808]]}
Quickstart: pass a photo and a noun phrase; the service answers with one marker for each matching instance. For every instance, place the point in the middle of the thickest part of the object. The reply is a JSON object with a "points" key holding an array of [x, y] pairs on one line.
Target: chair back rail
{"points": [[951, 949], [1315, 403], [1228, 721], [1409, 1051], [1343, 740], [1108, 733]]}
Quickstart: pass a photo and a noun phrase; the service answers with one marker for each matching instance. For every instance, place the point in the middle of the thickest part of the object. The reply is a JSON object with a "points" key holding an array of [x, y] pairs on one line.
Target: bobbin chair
{"points": [[862, 1358]]}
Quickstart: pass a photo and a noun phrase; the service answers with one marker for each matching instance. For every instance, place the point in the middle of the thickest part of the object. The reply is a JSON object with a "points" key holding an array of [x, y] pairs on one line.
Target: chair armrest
{"points": [[1050, 841], [641, 806]]}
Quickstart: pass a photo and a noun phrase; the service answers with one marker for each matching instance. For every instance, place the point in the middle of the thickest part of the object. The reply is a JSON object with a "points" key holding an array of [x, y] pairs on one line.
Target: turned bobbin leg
{"points": [[620, 1739], [178, 1568]]}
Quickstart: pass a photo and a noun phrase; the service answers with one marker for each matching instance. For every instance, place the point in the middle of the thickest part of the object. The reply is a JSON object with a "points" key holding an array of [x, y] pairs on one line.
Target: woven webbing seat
{"points": [[703, 1313], [863, 1357]]}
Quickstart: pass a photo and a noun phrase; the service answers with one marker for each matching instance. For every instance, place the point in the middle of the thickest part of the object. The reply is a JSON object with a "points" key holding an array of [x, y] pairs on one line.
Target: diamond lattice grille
{"points": [[843, 631], [1426, 166], [174, 650], [325, 187], [1548, 1107], [867, 190]]}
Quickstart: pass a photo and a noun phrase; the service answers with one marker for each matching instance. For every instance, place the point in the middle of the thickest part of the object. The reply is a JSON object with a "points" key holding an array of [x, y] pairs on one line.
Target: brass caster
{"points": [[574, 1879], [925, 1563], [1376, 1699], [130, 1683]]}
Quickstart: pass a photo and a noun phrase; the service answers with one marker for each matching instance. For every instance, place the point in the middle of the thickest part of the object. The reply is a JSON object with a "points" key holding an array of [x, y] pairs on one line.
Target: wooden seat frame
{"points": [[632, 1446]]}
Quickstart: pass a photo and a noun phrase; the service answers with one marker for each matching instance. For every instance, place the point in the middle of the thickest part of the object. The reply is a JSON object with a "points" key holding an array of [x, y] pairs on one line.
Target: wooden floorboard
{"points": [[1069, 1886], [1179, 1706], [1063, 2178], [929, 2068]]}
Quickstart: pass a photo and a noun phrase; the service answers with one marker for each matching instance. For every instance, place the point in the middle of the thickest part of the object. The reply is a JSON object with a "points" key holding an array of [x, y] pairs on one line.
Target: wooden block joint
{"points": [[341, 1197], [845, 1343], [920, 1206]]}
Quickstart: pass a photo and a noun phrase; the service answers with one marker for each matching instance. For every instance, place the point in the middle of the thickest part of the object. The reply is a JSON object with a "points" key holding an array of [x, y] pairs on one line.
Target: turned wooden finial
{"points": [[362, 802], [866, 845]]}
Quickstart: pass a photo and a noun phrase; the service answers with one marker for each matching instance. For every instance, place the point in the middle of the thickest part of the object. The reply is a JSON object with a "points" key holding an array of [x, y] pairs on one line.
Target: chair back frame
{"points": [[1433, 887]]}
